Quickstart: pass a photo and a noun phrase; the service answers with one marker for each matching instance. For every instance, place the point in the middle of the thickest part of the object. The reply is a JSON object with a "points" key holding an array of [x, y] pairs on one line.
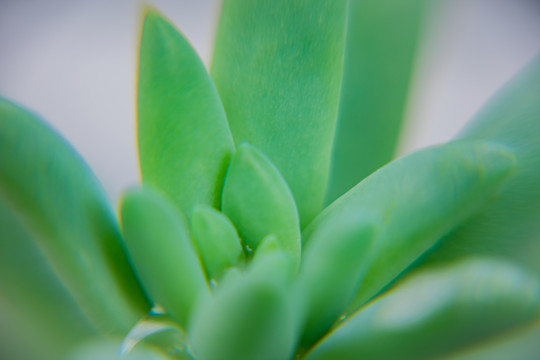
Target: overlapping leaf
{"points": [[159, 244], [278, 65], [416, 200]]}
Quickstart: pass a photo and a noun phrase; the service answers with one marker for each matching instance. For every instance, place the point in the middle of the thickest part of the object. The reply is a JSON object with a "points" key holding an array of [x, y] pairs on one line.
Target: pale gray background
{"points": [[74, 62]]}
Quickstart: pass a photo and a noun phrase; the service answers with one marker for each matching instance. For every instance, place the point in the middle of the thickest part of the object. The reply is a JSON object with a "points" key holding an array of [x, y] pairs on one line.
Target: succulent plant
{"points": [[272, 222]]}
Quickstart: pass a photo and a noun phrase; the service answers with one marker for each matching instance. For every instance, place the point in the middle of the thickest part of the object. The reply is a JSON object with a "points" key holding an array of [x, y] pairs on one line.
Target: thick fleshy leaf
{"points": [[278, 67], [57, 199], [437, 311], [416, 200], [381, 46], [248, 318], [40, 314], [216, 239], [184, 140], [510, 227], [159, 245], [258, 201], [332, 266]]}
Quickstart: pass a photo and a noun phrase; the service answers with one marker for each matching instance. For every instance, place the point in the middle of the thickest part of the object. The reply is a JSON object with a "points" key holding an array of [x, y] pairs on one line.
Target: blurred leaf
{"points": [[278, 67], [259, 202], [160, 247], [509, 227], [107, 349], [437, 311], [381, 47], [332, 266], [522, 343], [184, 141], [41, 318], [248, 318], [416, 200], [217, 240], [57, 199]]}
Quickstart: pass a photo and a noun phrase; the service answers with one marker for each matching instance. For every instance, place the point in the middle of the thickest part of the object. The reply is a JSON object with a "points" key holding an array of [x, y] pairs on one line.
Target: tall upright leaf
{"points": [[382, 39], [510, 227], [57, 199], [278, 66], [184, 141]]}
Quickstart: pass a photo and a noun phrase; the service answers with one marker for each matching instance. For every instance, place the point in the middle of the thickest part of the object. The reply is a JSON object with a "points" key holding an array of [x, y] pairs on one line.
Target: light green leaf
{"points": [[258, 201], [278, 67], [57, 199], [416, 200], [509, 227], [216, 239], [160, 247], [332, 268], [435, 312], [184, 141], [248, 318], [268, 246], [381, 47]]}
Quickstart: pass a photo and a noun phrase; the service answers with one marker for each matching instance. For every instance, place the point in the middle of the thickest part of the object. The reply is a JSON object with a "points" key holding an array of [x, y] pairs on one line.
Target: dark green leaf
{"points": [[40, 313]]}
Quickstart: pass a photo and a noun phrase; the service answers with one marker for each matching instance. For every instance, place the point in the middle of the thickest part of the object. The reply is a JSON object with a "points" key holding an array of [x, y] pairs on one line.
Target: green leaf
{"points": [[381, 47], [57, 199], [248, 318], [278, 67], [107, 349], [216, 239], [268, 246], [510, 226], [416, 200], [160, 247], [520, 343], [258, 201], [438, 311], [332, 268], [40, 313], [184, 140]]}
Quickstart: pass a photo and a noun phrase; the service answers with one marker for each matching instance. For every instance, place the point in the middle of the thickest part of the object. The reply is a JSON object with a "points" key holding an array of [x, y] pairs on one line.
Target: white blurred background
{"points": [[74, 63]]}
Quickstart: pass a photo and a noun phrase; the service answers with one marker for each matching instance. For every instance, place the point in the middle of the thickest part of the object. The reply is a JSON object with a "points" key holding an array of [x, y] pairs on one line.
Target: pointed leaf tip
{"points": [[258, 201], [184, 141]]}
